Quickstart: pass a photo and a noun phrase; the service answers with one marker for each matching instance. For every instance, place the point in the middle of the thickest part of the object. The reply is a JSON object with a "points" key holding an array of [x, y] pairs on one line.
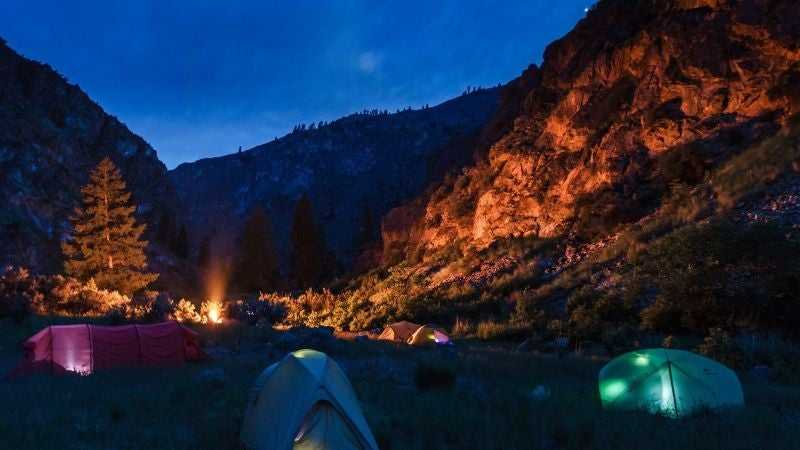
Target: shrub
{"points": [[493, 329], [619, 339], [719, 345], [185, 311], [428, 376], [462, 328], [490, 329], [527, 310], [267, 307], [719, 274], [602, 316], [661, 315], [311, 308], [16, 291]]}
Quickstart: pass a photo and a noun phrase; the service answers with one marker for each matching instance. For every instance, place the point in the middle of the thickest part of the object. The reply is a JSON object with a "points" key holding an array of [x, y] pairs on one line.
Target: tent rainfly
{"points": [[671, 382], [85, 348], [305, 401], [398, 331], [428, 335]]}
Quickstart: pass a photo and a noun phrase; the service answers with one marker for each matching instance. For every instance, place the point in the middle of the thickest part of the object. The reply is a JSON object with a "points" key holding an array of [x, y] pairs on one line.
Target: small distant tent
{"points": [[428, 335], [86, 348], [399, 331], [305, 401], [670, 382]]}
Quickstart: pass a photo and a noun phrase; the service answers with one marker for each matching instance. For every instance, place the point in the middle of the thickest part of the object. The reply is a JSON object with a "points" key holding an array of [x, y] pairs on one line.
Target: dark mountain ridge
{"points": [[51, 135], [361, 164]]}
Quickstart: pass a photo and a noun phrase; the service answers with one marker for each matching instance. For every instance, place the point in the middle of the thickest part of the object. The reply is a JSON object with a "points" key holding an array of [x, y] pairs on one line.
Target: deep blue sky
{"points": [[199, 78]]}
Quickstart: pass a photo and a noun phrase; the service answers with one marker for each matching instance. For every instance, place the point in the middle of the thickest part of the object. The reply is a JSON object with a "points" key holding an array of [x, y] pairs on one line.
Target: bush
{"points": [[722, 275], [267, 307], [462, 328], [490, 329], [311, 308], [606, 317], [16, 291], [57, 295], [185, 311], [719, 345], [661, 315], [427, 377]]}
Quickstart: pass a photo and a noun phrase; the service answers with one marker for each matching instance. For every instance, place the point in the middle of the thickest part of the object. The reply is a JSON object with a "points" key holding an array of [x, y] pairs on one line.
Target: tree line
{"points": [[107, 245]]}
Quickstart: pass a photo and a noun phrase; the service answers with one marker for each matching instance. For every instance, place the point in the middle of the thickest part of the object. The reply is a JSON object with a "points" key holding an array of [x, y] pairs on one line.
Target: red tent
{"points": [[86, 348]]}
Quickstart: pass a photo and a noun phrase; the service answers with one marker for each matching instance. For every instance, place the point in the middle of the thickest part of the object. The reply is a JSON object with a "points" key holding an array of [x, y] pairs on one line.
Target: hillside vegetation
{"points": [[710, 262]]}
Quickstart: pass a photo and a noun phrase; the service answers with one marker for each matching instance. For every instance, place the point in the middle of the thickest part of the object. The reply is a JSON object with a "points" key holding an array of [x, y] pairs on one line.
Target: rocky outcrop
{"points": [[51, 135], [352, 168], [638, 96]]}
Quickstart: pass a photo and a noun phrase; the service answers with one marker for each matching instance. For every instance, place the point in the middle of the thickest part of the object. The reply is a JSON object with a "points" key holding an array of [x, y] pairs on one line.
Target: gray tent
{"points": [[305, 401]]}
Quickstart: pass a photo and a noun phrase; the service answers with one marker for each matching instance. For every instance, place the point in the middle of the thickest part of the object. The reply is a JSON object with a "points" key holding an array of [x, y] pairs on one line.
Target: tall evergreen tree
{"points": [[309, 255], [106, 243], [367, 229], [181, 247], [204, 252], [166, 229], [257, 260]]}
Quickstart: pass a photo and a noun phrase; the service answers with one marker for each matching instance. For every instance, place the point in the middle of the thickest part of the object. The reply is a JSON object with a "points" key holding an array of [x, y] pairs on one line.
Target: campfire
{"points": [[211, 311]]}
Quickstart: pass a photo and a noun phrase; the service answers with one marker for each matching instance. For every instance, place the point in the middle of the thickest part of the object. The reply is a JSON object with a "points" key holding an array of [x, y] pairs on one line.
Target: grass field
{"points": [[488, 407]]}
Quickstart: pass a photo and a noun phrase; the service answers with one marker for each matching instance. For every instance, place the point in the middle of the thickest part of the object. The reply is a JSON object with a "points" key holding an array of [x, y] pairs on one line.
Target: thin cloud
{"points": [[369, 62]]}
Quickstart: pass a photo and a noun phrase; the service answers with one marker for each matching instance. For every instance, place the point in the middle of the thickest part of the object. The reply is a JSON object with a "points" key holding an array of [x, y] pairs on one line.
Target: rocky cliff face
{"points": [[357, 166], [640, 95], [51, 135]]}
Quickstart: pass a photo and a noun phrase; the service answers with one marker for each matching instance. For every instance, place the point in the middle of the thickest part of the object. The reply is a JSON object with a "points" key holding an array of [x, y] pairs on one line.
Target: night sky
{"points": [[200, 78]]}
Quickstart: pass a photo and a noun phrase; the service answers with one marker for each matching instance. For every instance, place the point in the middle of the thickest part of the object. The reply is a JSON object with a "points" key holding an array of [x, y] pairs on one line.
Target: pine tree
{"points": [[106, 243], [257, 261], [181, 247], [166, 229], [366, 233], [204, 253], [309, 256]]}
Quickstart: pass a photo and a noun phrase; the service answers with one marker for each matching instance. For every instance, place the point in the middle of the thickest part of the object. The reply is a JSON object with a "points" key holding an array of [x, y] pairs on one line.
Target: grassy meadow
{"points": [[486, 405]]}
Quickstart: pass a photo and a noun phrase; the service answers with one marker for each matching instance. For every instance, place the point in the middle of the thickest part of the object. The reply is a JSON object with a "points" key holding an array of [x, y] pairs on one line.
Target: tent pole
{"points": [[672, 386], [52, 356], [91, 348]]}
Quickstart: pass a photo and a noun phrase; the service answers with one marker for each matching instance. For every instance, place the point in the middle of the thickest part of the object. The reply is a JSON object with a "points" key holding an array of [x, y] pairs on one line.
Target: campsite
{"points": [[470, 395], [400, 225]]}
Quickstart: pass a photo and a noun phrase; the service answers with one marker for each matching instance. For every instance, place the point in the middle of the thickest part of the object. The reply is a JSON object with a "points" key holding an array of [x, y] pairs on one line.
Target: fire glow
{"points": [[213, 311]]}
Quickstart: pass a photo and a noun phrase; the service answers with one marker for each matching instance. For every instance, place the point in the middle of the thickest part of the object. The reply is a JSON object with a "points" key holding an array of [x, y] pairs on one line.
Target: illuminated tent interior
{"points": [[428, 335], [399, 331], [305, 401], [671, 382], [85, 348]]}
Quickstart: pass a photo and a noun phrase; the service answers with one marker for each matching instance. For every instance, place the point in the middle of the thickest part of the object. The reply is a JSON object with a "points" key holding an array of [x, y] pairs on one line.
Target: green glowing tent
{"points": [[670, 382]]}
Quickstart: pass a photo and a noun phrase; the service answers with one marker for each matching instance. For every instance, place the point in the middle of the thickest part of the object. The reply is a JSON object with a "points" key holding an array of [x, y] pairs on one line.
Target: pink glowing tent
{"points": [[86, 348]]}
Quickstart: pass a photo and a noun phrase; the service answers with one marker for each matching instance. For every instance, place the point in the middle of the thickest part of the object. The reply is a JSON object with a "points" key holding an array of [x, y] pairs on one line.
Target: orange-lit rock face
{"points": [[627, 86]]}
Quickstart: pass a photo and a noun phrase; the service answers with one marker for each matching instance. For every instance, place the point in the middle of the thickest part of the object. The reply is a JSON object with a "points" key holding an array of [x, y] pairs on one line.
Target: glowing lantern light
{"points": [[613, 388]]}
